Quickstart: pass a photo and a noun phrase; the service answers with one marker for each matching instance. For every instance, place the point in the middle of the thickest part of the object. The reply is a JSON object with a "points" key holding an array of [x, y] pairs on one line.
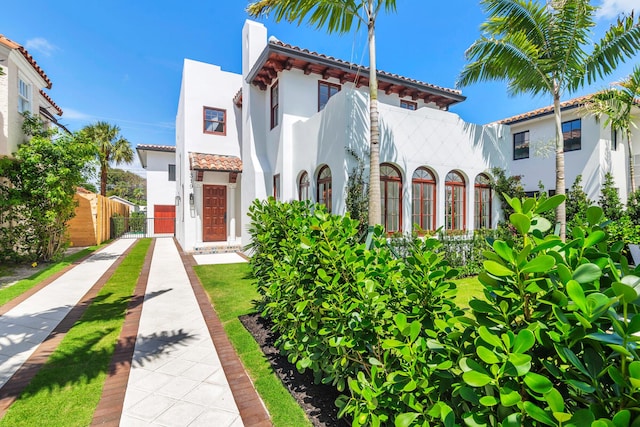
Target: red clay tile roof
{"points": [[237, 98], [151, 147], [279, 56], [13, 45], [572, 103], [50, 101], [215, 162]]}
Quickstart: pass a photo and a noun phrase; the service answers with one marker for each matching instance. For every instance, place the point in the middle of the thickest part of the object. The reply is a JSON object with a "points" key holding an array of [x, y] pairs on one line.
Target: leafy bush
{"points": [[553, 341]]}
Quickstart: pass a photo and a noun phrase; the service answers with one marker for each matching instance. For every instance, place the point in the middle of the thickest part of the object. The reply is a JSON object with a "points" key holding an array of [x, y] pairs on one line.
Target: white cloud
{"points": [[41, 45], [613, 8], [71, 114]]}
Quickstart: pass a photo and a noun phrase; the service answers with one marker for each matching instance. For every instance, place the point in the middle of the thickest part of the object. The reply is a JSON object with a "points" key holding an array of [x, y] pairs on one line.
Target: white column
{"points": [[231, 209]]}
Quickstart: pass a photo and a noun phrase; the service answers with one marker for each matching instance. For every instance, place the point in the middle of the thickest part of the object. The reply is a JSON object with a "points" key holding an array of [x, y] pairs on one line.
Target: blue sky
{"points": [[121, 61]]}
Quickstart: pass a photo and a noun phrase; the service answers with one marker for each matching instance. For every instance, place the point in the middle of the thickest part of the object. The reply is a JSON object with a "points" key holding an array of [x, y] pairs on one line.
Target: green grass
{"points": [[231, 290], [468, 287], [17, 289], [67, 389]]}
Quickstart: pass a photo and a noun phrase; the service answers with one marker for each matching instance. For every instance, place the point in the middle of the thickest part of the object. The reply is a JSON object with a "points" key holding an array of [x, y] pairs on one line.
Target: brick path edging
{"points": [[251, 407], [109, 409], [23, 376]]}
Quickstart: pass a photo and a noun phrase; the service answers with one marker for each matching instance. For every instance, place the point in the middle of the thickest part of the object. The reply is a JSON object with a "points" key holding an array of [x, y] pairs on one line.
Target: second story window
{"points": [[325, 91], [215, 121], [274, 104], [409, 105], [572, 135], [24, 96], [521, 145], [172, 172]]}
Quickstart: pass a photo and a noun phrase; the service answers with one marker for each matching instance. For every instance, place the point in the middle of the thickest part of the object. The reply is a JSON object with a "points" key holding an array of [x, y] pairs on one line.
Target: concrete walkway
{"points": [[26, 326], [176, 377], [179, 368]]}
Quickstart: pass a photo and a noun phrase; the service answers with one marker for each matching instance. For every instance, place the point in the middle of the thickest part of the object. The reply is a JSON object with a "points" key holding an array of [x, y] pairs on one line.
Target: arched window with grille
{"points": [[423, 205], [324, 187], [391, 197], [482, 201], [455, 205], [303, 186]]}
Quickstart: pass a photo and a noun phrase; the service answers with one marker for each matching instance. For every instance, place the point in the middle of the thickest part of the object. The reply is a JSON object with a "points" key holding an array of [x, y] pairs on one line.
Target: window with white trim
{"points": [[24, 96]]}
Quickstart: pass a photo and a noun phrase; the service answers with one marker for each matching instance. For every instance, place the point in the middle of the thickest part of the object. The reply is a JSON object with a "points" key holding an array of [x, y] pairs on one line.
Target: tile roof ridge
{"points": [[354, 65], [17, 46]]}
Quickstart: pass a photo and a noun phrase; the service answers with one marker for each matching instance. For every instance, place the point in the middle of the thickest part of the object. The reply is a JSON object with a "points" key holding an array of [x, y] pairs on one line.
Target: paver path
{"points": [[176, 378], [24, 328]]}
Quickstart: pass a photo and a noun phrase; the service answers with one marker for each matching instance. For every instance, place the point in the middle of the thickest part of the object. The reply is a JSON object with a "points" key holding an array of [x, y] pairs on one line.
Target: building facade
{"points": [[294, 125], [22, 89]]}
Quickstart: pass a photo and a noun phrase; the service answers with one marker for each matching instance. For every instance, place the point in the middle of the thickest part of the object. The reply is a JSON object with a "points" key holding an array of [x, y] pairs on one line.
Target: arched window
{"points": [[390, 197], [483, 202], [303, 187], [424, 199], [455, 218], [324, 187]]}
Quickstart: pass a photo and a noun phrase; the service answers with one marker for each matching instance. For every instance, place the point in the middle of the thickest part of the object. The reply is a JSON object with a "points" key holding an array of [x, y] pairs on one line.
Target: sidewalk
{"points": [[26, 326], [176, 377], [179, 367]]}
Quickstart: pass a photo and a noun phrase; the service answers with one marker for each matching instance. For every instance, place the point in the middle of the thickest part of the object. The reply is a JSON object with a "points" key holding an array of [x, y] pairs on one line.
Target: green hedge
{"points": [[553, 342]]}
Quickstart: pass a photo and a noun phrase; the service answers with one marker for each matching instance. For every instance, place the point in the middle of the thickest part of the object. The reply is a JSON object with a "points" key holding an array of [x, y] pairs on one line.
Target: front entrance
{"points": [[214, 213]]}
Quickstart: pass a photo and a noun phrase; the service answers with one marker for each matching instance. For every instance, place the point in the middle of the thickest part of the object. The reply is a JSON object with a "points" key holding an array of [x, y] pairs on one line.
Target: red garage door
{"points": [[164, 219]]}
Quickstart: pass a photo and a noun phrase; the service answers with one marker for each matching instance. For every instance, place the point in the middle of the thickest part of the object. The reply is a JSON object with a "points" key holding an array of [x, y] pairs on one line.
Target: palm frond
{"points": [[337, 16], [620, 42]]}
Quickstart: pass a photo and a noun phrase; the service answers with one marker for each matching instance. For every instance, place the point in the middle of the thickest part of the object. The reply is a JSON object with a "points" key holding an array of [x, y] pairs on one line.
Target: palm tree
{"points": [[111, 147], [617, 104], [339, 16], [543, 48]]}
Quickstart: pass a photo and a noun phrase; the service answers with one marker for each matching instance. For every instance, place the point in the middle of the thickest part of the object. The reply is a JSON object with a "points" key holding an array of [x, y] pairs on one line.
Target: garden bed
{"points": [[317, 400]]}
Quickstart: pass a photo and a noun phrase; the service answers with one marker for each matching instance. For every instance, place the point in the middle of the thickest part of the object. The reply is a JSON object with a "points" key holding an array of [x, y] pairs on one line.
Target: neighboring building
{"points": [[160, 163], [132, 206], [591, 150], [22, 89]]}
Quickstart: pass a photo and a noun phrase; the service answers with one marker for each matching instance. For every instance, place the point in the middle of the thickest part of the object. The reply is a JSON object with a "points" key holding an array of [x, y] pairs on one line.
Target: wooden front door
{"points": [[164, 219], [214, 213]]}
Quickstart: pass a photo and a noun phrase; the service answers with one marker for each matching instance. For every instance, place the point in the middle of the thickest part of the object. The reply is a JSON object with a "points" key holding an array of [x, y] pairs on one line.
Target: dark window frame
{"points": [[277, 191], [424, 183], [525, 140], [275, 108], [171, 170], [205, 121], [479, 188], [324, 191], [408, 105], [452, 185], [303, 186], [329, 86], [385, 182], [571, 137]]}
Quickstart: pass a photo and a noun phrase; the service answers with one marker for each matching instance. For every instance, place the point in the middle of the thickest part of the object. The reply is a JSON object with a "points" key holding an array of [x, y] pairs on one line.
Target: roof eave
{"points": [[364, 71]]}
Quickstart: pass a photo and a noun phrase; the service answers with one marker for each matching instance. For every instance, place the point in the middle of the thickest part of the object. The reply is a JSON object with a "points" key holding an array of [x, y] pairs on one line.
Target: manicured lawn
{"points": [[231, 292], [67, 389], [17, 289], [468, 287]]}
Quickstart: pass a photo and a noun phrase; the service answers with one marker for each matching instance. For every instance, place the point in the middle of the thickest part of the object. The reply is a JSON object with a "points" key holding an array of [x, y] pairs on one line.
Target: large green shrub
{"points": [[553, 341]]}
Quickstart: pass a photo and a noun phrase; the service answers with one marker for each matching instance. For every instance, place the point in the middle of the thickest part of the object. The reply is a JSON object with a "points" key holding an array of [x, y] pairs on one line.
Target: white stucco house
{"points": [[294, 124], [22, 88], [591, 149]]}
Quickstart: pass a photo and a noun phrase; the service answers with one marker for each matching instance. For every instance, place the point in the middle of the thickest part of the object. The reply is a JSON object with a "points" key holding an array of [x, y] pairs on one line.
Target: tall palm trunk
{"points": [[103, 179], [632, 176], [561, 210], [375, 214]]}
